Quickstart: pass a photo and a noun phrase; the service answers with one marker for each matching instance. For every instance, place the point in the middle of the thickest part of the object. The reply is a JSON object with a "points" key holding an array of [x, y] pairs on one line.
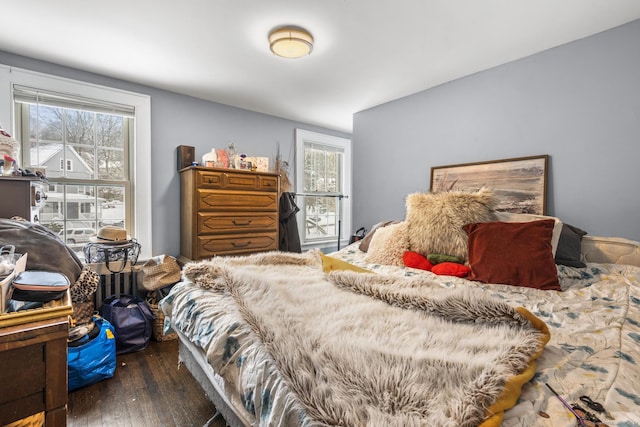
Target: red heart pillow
{"points": [[415, 260], [451, 269]]}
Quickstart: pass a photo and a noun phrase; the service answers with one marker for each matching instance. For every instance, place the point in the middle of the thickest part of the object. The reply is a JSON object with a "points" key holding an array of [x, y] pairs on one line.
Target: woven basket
{"points": [[82, 312], [158, 324]]}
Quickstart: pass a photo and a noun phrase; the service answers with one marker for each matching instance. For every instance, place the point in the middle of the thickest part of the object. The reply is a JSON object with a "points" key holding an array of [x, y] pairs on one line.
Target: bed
{"points": [[399, 345]]}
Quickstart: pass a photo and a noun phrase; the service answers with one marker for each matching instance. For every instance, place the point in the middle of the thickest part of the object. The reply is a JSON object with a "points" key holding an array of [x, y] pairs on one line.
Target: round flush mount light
{"points": [[290, 42]]}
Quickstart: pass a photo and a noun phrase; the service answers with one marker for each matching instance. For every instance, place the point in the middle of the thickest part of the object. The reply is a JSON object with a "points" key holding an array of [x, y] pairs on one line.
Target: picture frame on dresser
{"points": [[520, 184]]}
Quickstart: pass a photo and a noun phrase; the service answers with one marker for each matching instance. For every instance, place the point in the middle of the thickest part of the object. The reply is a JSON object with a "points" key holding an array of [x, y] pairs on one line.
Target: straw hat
{"points": [[110, 234]]}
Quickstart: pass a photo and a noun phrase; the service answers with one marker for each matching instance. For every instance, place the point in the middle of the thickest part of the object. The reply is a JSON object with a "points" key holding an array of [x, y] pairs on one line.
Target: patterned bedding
{"points": [[594, 348]]}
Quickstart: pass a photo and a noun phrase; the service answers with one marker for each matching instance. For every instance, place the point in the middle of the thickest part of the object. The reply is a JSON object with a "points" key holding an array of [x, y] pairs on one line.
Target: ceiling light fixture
{"points": [[290, 42]]}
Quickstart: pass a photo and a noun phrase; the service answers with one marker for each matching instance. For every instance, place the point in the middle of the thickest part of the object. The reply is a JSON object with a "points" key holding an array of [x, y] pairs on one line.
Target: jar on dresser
{"points": [[227, 212]]}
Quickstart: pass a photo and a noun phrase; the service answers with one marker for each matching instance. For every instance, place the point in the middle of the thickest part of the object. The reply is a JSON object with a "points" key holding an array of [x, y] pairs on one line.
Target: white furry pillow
{"points": [[435, 220], [388, 245]]}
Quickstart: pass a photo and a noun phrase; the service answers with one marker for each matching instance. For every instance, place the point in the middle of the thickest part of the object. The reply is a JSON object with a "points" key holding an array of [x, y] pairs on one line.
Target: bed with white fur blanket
{"points": [[302, 347], [594, 326]]}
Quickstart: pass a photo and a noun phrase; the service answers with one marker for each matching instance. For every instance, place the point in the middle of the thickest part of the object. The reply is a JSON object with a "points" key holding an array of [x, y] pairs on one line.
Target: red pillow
{"points": [[513, 253], [448, 268], [415, 260]]}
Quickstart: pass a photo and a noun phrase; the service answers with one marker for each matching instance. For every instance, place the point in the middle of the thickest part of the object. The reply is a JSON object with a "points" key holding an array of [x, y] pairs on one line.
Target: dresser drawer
{"points": [[225, 200], [236, 222], [236, 180], [268, 183], [23, 372], [236, 244], [33, 370]]}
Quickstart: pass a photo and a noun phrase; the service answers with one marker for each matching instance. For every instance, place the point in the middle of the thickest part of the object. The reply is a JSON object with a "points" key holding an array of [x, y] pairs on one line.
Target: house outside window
{"points": [[91, 148], [323, 186]]}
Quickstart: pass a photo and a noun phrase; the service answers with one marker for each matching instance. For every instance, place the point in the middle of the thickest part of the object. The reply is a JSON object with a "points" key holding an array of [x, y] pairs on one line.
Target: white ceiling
{"points": [[367, 52]]}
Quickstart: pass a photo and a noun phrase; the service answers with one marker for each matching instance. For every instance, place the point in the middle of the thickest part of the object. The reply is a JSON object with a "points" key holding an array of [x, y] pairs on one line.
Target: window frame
{"points": [[140, 178], [303, 136]]}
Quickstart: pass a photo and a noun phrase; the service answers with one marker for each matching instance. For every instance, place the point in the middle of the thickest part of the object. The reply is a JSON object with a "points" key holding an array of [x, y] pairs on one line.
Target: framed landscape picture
{"points": [[520, 184]]}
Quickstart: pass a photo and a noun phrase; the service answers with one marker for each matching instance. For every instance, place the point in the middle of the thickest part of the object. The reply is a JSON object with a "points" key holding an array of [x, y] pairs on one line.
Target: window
{"points": [[69, 164], [77, 131], [90, 147], [323, 185]]}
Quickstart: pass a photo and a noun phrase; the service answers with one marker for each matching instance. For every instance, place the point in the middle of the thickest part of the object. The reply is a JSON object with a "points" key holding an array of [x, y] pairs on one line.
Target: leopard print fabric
{"points": [[84, 288]]}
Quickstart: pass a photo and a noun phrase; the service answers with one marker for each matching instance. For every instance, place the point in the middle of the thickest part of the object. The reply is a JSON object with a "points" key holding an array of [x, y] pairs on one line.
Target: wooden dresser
{"points": [[33, 371], [227, 212]]}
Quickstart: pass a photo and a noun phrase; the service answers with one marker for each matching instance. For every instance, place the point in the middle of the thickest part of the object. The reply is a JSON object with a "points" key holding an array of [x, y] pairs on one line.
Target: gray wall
{"points": [[183, 120], [578, 103]]}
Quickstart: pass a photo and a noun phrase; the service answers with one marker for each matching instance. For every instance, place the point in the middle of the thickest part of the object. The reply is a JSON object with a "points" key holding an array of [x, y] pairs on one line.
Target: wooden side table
{"points": [[33, 371]]}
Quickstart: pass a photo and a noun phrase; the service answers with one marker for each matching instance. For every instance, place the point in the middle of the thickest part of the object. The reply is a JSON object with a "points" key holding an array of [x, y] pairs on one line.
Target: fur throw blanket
{"points": [[359, 349]]}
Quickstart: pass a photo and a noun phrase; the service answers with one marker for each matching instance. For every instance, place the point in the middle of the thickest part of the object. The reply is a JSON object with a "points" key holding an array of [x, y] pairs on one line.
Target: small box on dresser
{"points": [[227, 212]]}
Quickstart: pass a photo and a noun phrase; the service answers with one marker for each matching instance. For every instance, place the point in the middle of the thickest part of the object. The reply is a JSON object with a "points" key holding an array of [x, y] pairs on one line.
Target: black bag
{"points": [[39, 286], [116, 256], [132, 320], [358, 235]]}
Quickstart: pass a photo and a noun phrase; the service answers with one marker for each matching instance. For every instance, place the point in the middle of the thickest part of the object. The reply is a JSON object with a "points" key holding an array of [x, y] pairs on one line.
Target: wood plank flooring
{"points": [[147, 389]]}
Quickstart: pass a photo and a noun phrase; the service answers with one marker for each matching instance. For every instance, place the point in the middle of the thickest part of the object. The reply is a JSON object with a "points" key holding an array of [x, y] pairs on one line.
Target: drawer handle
{"points": [[241, 245], [239, 223]]}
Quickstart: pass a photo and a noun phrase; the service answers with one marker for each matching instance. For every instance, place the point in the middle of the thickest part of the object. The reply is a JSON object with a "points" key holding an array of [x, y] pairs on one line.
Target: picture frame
{"points": [[520, 184]]}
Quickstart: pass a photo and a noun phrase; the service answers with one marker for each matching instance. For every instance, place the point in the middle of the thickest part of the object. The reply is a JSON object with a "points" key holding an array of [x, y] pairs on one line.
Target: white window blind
{"points": [[31, 95]]}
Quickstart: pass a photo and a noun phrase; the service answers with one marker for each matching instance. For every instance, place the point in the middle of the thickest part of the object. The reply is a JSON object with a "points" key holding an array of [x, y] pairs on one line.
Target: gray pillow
{"points": [[570, 246]]}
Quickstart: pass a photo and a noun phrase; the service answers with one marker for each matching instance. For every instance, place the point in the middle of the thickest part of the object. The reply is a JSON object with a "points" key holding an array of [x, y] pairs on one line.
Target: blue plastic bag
{"points": [[94, 358]]}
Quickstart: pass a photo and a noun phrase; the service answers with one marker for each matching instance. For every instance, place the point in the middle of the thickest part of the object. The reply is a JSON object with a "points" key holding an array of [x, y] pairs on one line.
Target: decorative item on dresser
{"points": [[186, 156], [227, 212]]}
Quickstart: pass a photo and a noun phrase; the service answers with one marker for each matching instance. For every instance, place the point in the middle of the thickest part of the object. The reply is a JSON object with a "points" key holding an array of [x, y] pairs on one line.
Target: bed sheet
{"points": [[211, 322], [594, 348]]}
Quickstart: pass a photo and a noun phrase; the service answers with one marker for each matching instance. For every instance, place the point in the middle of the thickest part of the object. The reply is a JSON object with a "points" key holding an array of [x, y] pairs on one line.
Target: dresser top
{"points": [[224, 170]]}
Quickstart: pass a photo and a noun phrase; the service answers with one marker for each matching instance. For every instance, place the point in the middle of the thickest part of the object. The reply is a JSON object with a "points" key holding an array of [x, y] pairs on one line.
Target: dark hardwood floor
{"points": [[148, 389]]}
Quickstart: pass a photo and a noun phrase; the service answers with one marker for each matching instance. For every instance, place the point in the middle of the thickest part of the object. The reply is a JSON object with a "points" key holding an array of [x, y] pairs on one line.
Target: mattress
{"points": [[594, 348], [228, 405], [209, 325]]}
